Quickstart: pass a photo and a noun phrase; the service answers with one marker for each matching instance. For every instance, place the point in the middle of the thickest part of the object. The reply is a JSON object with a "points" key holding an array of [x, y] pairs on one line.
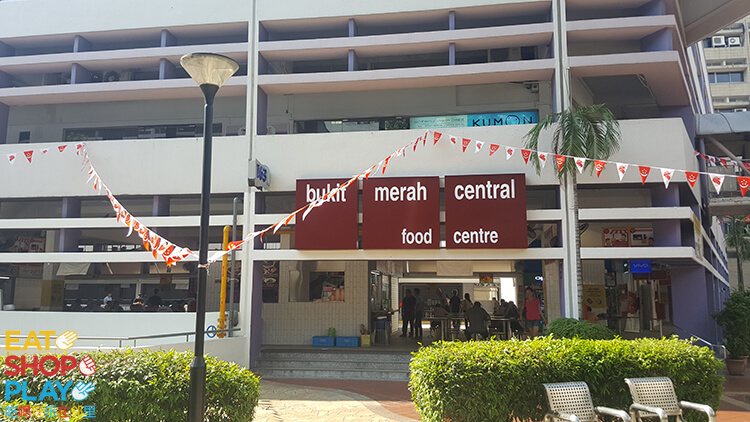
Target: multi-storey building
{"points": [[326, 91], [727, 54]]}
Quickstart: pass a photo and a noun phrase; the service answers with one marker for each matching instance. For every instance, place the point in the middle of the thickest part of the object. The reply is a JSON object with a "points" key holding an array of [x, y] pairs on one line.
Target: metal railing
{"points": [[135, 339], [719, 349]]}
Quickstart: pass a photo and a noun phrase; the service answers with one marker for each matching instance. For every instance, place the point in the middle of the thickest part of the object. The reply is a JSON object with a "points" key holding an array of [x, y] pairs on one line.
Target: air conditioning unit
{"points": [[739, 109], [111, 76], [718, 41], [734, 41]]}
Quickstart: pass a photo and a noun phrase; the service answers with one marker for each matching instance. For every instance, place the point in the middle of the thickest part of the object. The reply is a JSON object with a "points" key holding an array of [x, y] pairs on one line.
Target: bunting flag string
{"points": [[172, 253], [153, 242]]}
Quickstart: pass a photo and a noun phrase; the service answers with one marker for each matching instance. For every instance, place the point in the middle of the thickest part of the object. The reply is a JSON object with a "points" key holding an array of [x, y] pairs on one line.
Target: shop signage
{"points": [[640, 266], [486, 211], [475, 120], [401, 213], [336, 226]]}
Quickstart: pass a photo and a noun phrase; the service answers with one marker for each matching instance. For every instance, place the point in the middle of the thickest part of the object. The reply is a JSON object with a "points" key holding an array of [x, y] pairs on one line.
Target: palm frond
{"points": [[590, 132]]}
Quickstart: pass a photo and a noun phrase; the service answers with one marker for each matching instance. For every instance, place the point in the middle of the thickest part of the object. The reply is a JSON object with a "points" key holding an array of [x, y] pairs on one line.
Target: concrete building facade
{"points": [[324, 92]]}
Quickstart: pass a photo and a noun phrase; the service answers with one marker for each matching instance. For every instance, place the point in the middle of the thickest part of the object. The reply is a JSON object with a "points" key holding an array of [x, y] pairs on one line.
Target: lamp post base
{"points": [[197, 393]]}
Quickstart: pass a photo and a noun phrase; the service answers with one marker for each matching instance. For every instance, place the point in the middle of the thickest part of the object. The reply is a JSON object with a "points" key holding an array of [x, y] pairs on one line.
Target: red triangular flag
{"points": [[525, 153], [560, 159], [437, 136], [644, 170], [493, 149], [599, 166], [744, 183], [28, 155], [385, 164], [692, 177], [79, 147], [465, 143], [723, 162], [61, 148], [746, 165]]}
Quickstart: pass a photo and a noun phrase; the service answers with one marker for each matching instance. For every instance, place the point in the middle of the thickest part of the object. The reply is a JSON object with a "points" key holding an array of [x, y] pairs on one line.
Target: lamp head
{"points": [[209, 68]]}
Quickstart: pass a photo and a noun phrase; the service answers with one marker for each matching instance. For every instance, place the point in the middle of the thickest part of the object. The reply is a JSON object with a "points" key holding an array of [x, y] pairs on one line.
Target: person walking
{"points": [[533, 313], [418, 315]]}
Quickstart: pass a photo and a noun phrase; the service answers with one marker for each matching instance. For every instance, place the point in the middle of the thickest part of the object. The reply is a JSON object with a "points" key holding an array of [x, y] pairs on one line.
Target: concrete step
{"points": [[307, 373], [334, 363], [332, 354]]}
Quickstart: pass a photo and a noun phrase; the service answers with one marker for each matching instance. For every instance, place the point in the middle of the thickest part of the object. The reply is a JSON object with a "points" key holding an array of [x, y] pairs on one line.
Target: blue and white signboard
{"points": [[475, 120], [640, 266]]}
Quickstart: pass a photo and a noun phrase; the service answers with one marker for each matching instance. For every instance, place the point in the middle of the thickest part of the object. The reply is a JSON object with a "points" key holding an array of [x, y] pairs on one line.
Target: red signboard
{"points": [[401, 213], [333, 225], [486, 211]]}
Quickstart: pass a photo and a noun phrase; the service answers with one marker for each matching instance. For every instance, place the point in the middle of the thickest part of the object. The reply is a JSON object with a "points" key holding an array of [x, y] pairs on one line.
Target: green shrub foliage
{"points": [[502, 380], [735, 319], [573, 328], [147, 386]]}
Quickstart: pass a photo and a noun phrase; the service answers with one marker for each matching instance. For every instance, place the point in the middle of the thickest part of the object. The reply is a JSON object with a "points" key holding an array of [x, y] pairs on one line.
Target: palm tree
{"points": [[590, 132], [738, 237]]}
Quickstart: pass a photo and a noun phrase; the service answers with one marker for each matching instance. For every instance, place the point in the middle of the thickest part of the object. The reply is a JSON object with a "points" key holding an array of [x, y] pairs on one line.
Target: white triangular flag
{"points": [[666, 175], [478, 146], [580, 162], [717, 180], [509, 152], [542, 158], [621, 169]]}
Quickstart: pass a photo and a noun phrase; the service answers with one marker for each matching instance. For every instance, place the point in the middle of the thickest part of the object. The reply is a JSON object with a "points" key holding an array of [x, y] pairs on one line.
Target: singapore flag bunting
{"points": [[666, 175], [621, 169], [717, 180]]}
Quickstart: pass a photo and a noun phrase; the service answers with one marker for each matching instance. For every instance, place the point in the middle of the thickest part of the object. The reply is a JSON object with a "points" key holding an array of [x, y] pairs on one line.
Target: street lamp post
{"points": [[210, 71]]}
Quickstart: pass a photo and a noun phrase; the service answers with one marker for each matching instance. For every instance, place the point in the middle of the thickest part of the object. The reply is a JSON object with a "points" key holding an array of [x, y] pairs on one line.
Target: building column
{"points": [[666, 232], [71, 208], [81, 44], [79, 74], [4, 115], [250, 309], [262, 112], [690, 293], [570, 288]]}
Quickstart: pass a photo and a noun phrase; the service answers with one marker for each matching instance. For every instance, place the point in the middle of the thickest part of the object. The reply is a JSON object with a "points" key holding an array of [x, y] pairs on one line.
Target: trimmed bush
{"points": [[153, 386], [500, 380], [573, 328]]}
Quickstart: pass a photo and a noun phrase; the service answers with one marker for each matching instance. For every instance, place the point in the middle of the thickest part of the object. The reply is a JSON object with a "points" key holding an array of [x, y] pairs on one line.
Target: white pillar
{"points": [[569, 230]]}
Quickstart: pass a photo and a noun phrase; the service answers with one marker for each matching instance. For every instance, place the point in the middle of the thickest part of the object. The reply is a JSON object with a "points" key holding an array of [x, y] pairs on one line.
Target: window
{"points": [[726, 77]]}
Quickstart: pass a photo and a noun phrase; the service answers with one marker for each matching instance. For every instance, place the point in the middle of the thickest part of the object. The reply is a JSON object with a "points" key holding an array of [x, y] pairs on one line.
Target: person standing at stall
{"points": [[407, 313], [533, 315], [418, 315]]}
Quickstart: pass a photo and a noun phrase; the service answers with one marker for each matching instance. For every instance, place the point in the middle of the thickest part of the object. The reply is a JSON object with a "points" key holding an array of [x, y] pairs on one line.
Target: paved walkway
{"points": [[382, 401]]}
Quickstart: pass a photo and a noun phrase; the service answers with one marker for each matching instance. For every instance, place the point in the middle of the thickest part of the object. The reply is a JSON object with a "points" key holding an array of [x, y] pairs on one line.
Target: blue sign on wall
{"points": [[640, 266], [475, 120]]}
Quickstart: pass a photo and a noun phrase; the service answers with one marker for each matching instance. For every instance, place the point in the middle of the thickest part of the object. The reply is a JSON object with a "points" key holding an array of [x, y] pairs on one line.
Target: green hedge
{"points": [[497, 380], [573, 328], [149, 386]]}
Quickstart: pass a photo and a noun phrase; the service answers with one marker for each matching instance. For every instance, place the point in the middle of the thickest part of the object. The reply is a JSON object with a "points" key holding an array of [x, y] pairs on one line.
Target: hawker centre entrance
{"points": [[435, 234], [490, 236]]}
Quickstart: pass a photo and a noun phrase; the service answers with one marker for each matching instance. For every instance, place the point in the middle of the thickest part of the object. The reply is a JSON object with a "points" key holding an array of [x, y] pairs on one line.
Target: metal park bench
{"points": [[571, 401], [657, 394]]}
